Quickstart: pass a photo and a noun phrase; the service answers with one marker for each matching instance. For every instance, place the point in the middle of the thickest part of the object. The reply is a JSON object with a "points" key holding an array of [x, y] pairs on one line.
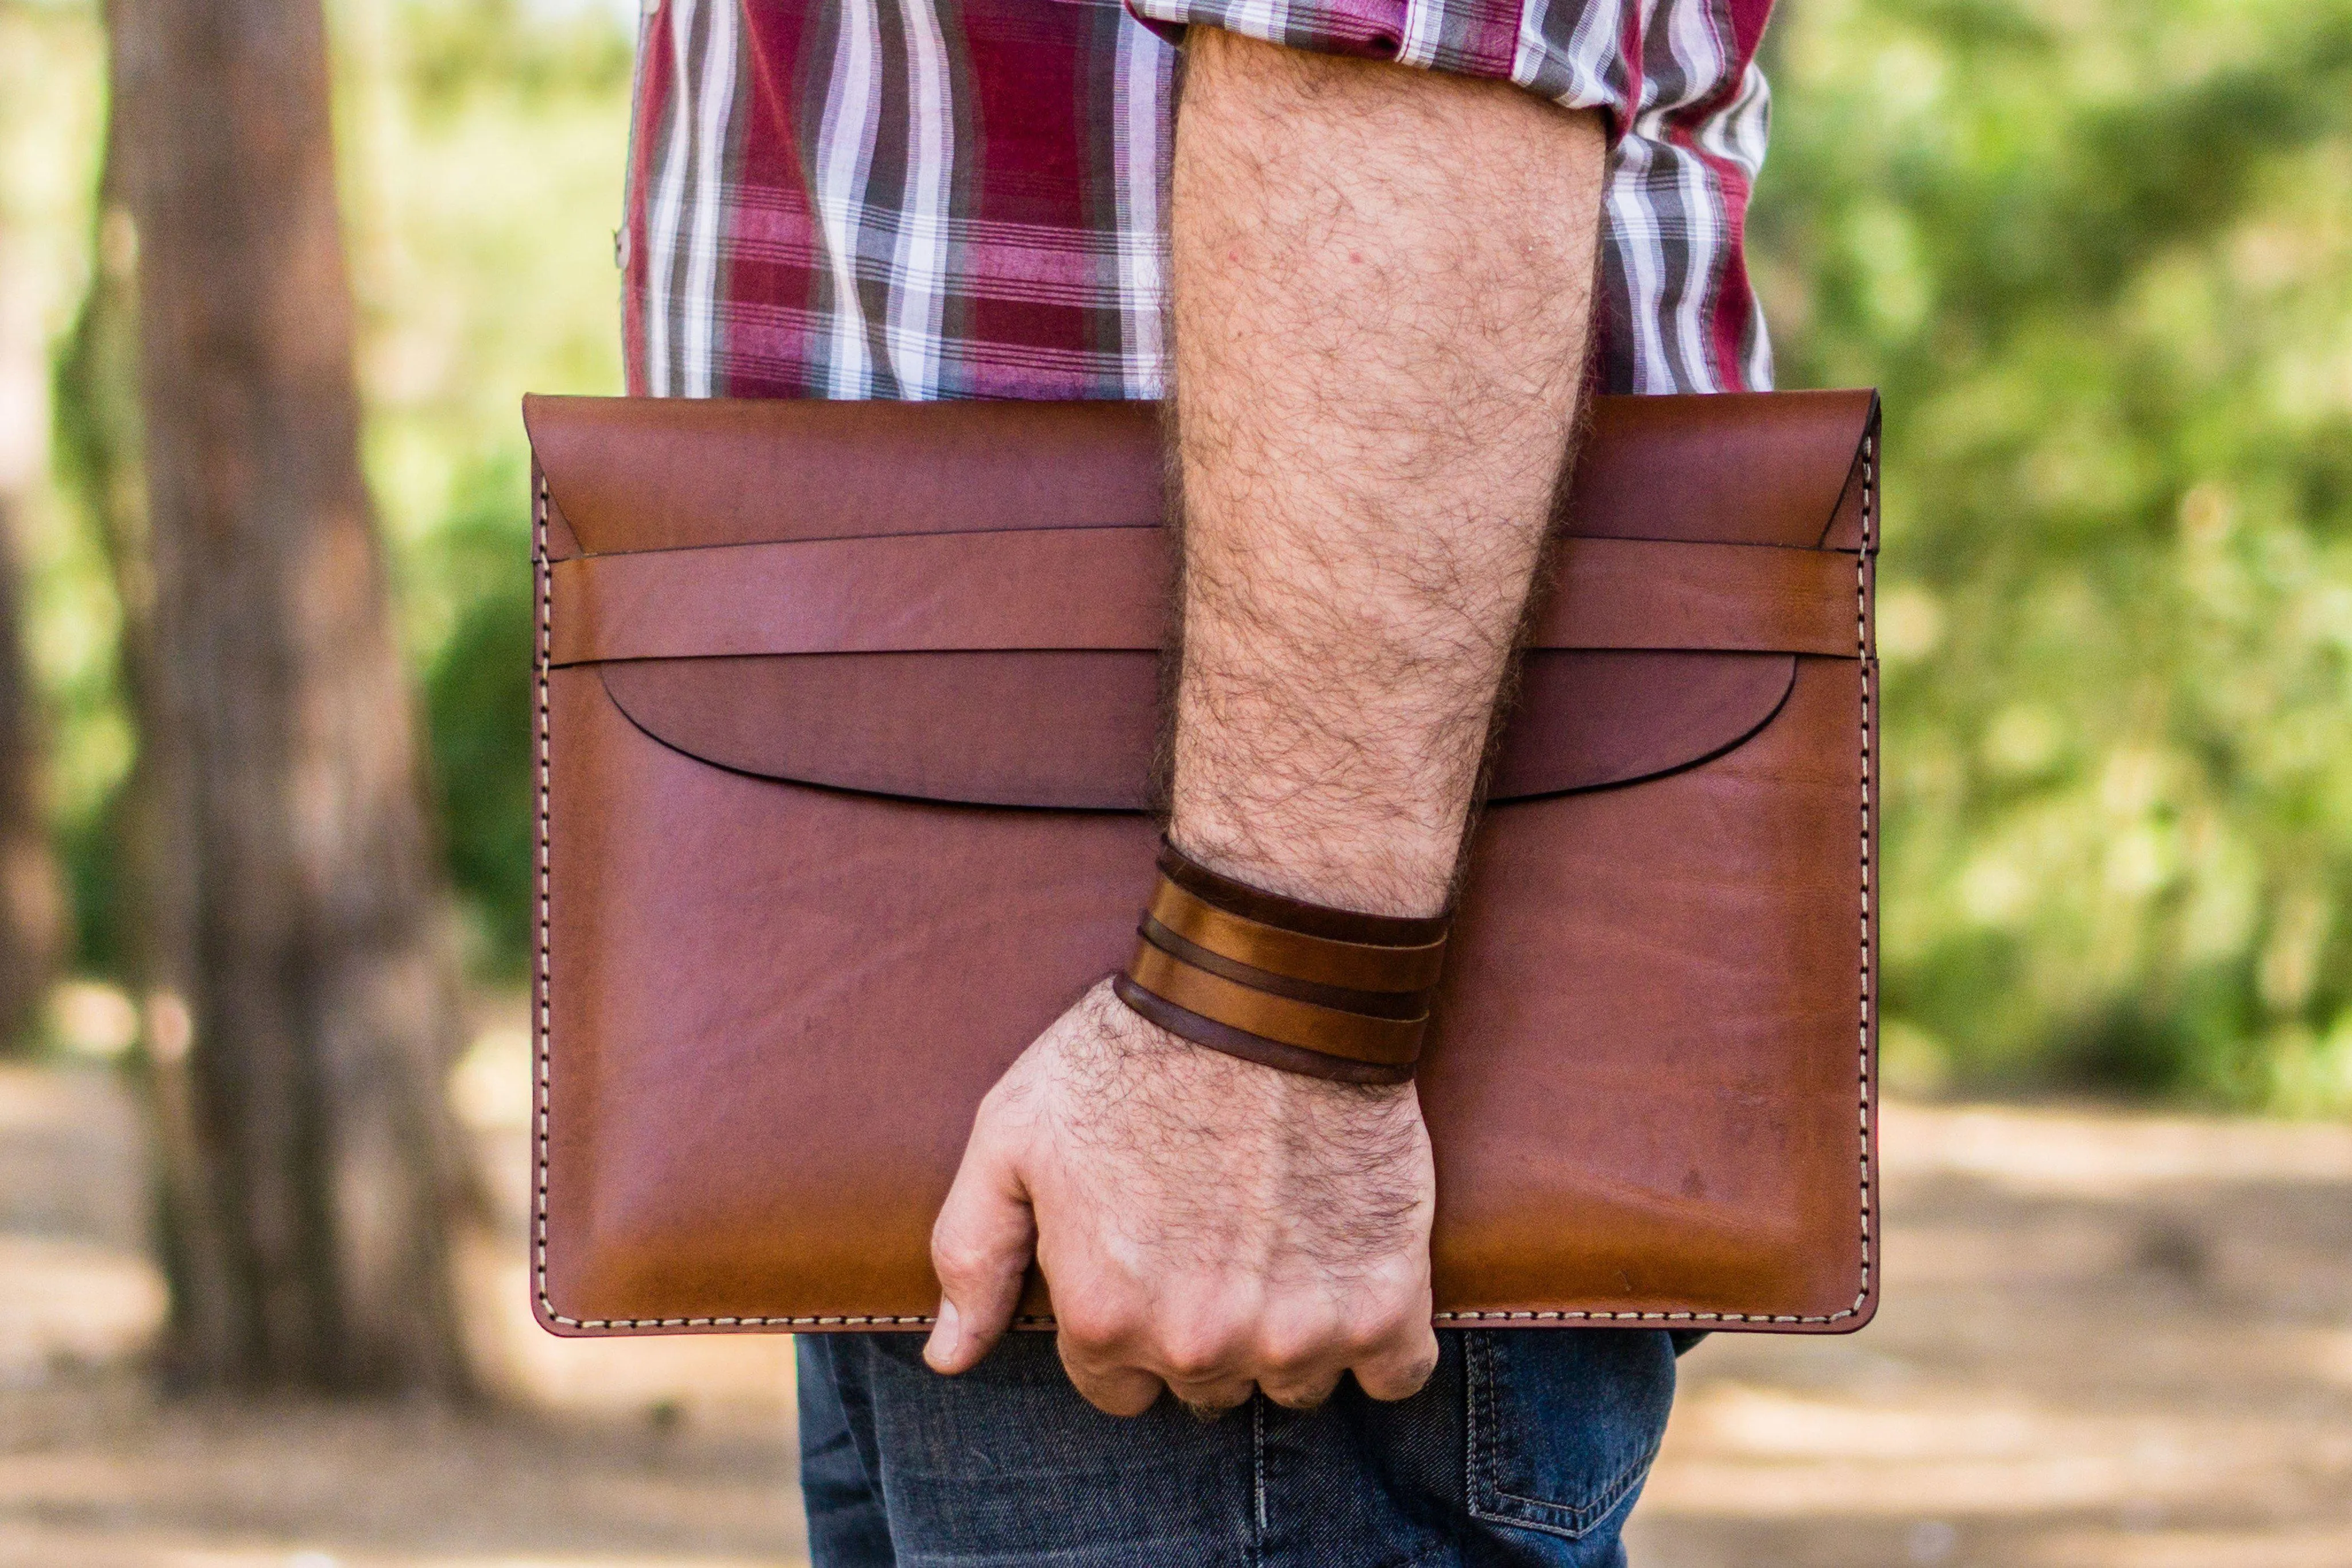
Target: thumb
{"points": [[981, 1248]]}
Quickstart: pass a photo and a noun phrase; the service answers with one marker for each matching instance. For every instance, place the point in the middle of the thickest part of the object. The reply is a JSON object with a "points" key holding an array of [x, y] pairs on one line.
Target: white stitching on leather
{"points": [[547, 984], [543, 1015], [1862, 1294]]}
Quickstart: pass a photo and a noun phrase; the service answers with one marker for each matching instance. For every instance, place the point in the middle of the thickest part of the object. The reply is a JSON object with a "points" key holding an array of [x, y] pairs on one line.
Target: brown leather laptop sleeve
{"points": [[845, 725]]}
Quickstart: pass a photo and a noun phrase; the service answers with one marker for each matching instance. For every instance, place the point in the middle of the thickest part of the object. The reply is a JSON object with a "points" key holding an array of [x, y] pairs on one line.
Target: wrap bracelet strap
{"points": [[1325, 992]]}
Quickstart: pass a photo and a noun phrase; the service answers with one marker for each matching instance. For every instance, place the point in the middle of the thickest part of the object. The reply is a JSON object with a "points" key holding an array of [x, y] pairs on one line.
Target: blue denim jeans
{"points": [[1527, 1448]]}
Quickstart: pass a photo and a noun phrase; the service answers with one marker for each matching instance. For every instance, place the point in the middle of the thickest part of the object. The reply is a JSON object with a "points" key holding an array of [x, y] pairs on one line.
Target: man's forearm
{"points": [[1382, 281]]}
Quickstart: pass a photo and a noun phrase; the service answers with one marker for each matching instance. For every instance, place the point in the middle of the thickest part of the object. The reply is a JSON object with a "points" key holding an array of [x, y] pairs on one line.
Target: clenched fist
{"points": [[1205, 1224]]}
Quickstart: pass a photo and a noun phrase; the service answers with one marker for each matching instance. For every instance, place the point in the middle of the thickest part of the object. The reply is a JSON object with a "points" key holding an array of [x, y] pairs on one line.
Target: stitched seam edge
{"points": [[1478, 1395], [544, 1012], [1581, 1517], [1483, 1493], [547, 985], [543, 1015], [1866, 978], [1257, 1479]]}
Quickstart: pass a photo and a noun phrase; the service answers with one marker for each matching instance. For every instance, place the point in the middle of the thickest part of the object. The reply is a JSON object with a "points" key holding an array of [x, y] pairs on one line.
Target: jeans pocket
{"points": [[1563, 1423]]}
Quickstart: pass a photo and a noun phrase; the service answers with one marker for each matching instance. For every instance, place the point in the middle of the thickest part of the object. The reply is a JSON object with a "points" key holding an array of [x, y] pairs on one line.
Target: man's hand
{"points": [[1381, 281], [1206, 1223]]}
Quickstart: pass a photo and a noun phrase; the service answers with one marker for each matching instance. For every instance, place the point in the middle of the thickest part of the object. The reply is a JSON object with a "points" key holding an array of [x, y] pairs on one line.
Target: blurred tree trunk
{"points": [[32, 902], [302, 1003]]}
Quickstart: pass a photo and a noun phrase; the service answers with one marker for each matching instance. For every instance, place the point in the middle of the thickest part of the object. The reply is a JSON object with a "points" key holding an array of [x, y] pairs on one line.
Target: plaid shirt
{"points": [[968, 198]]}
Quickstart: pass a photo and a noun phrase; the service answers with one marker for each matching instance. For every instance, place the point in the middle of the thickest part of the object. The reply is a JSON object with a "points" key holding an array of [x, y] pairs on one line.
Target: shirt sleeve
{"points": [[1687, 111]]}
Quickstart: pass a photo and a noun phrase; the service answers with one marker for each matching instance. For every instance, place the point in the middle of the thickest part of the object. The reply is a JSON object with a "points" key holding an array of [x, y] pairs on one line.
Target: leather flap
{"points": [[631, 473], [963, 602], [1077, 730]]}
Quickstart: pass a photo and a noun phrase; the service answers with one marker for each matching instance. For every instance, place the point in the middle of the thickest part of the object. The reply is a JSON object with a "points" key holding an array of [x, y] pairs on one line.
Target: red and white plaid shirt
{"points": [[968, 198]]}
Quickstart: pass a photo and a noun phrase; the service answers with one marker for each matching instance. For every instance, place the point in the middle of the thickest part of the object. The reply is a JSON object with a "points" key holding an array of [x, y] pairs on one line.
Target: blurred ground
{"points": [[2111, 1341]]}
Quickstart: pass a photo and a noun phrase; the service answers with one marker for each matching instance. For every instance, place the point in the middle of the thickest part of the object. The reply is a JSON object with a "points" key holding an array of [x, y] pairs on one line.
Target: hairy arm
{"points": [[1382, 281]]}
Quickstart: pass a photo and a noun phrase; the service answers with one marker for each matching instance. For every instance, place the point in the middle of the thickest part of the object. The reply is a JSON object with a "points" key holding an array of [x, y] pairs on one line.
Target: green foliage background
{"points": [[2098, 254]]}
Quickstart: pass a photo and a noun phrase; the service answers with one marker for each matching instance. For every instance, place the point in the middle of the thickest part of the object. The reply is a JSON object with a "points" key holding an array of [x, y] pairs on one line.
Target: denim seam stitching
{"points": [[1479, 1376], [1257, 1478], [1582, 1516]]}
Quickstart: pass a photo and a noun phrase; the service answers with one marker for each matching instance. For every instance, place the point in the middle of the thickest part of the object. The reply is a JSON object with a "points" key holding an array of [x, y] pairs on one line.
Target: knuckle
{"points": [[1113, 1389], [1290, 1349], [1398, 1379], [1194, 1349], [1120, 1399], [992, 1104], [1188, 1362], [957, 1259], [1388, 1328], [1418, 1364], [1092, 1329]]}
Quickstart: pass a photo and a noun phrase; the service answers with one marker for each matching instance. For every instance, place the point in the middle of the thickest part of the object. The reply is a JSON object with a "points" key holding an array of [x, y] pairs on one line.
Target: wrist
{"points": [[1142, 1048], [1388, 866], [1308, 987]]}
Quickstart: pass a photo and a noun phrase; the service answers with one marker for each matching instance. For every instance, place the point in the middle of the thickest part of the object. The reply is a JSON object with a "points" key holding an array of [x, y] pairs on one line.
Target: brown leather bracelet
{"points": [[1292, 915], [1331, 993], [1359, 966], [1249, 1047]]}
